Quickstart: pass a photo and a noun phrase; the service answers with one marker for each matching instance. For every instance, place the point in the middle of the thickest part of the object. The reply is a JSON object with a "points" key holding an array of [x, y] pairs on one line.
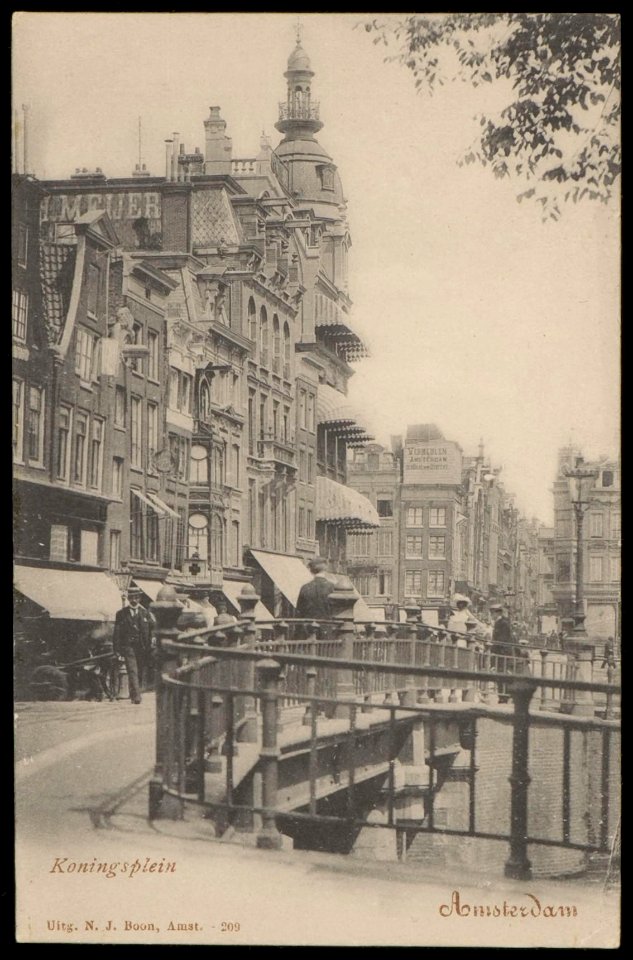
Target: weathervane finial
{"points": [[298, 30]]}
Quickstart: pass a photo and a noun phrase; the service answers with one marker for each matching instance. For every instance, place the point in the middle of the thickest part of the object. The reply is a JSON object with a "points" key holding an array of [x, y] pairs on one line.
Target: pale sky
{"points": [[480, 318]]}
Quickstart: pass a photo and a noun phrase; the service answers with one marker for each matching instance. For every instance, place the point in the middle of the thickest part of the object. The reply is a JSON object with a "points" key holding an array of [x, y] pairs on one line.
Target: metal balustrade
{"points": [[220, 689]]}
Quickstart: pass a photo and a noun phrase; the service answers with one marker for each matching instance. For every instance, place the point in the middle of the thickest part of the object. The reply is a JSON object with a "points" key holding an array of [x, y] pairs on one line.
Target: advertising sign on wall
{"points": [[429, 462]]}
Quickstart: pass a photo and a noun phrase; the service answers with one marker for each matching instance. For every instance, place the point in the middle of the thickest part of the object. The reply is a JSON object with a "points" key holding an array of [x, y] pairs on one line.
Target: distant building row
{"points": [[448, 525]]}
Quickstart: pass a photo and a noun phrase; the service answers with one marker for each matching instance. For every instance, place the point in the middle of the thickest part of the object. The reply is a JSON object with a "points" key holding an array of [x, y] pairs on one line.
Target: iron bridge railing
{"points": [[225, 690]]}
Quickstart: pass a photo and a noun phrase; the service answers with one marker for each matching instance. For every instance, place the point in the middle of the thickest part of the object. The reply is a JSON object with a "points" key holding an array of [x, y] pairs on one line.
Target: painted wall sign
{"points": [[62, 207], [432, 462]]}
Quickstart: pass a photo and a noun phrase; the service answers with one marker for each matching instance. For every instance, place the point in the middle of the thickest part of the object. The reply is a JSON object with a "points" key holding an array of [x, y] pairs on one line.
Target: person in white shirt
{"points": [[458, 618]]}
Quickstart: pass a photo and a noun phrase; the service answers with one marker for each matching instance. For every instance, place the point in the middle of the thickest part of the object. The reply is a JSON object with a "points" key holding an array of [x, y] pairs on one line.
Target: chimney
{"points": [[168, 153], [219, 147], [174, 157]]}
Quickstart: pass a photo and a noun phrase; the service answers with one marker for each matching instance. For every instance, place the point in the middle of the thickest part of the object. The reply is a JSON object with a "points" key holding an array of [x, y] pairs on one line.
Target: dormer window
{"points": [[327, 176]]}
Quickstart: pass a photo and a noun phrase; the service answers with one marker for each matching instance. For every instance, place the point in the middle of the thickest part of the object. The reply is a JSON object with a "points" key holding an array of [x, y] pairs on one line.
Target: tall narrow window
{"points": [[235, 543], [136, 432], [117, 476], [115, 549], [136, 527], [23, 244], [20, 311], [252, 426], [199, 464], [151, 536], [252, 513], [413, 583], [302, 409], [18, 419], [119, 407], [174, 383], [263, 419], [89, 546], [184, 404], [235, 464], [94, 289], [252, 320], [276, 345], [152, 359], [63, 442], [263, 337], [217, 541], [287, 349], [437, 547], [276, 419], [58, 546], [596, 521], [81, 436], [152, 431], [85, 356], [35, 426], [436, 583], [311, 421], [96, 453], [285, 434], [437, 517]]}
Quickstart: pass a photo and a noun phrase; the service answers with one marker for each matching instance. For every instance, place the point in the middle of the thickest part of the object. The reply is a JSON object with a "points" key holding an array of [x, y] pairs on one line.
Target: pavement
{"points": [[91, 868]]}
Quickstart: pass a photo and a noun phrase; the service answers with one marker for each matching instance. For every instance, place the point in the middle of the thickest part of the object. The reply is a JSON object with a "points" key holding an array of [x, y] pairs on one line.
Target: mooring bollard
{"points": [[269, 838], [342, 601], [166, 610]]}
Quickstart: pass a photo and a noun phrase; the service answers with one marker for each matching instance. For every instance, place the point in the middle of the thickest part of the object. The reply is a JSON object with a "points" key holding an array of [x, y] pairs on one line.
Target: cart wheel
{"points": [[49, 683]]}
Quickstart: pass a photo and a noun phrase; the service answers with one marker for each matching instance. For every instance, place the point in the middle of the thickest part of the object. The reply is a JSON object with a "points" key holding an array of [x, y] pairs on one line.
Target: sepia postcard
{"points": [[317, 484]]}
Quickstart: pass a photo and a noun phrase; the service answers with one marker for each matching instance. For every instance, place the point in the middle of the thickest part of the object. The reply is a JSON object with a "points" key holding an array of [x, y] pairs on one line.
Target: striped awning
{"points": [[336, 503], [335, 411]]}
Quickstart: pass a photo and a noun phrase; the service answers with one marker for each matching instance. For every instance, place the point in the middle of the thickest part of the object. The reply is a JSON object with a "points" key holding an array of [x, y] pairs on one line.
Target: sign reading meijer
{"points": [[431, 462]]}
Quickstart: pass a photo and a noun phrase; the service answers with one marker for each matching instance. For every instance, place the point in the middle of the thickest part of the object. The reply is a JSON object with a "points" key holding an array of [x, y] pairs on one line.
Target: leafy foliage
{"points": [[560, 130]]}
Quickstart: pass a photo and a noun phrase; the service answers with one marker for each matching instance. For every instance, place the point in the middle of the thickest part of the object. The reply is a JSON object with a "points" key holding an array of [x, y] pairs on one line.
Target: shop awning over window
{"points": [[287, 573], [339, 416], [232, 589], [69, 594], [149, 587], [336, 503], [148, 503], [161, 505]]}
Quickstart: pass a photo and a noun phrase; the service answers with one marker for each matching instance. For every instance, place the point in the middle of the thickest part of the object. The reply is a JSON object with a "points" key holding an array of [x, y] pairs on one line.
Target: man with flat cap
{"points": [[132, 640], [313, 597]]}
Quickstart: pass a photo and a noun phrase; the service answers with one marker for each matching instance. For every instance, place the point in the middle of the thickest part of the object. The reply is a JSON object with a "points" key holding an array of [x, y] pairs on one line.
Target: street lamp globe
{"points": [[581, 480]]}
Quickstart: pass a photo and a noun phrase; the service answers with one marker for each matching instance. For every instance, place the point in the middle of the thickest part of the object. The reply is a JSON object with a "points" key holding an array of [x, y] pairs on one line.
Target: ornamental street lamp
{"points": [[581, 480]]}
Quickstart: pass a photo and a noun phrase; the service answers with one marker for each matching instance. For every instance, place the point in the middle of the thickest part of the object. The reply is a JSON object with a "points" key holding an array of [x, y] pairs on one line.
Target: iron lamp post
{"points": [[581, 480]]}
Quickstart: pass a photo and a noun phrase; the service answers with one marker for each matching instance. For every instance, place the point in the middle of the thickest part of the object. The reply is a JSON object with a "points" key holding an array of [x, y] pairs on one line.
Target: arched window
{"points": [[217, 541], [286, 351], [276, 344], [252, 320], [263, 341], [198, 536], [205, 400], [199, 464]]}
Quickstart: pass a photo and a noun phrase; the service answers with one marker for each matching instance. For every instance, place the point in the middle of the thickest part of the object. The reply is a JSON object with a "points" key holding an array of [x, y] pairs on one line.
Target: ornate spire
{"points": [[299, 115]]}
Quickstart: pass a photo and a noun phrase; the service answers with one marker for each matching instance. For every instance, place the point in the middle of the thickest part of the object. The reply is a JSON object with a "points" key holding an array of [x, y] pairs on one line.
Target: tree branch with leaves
{"points": [[559, 131]]}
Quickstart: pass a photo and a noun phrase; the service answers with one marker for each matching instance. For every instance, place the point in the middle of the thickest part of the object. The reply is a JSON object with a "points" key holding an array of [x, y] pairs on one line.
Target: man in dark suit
{"points": [[312, 603], [132, 640]]}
